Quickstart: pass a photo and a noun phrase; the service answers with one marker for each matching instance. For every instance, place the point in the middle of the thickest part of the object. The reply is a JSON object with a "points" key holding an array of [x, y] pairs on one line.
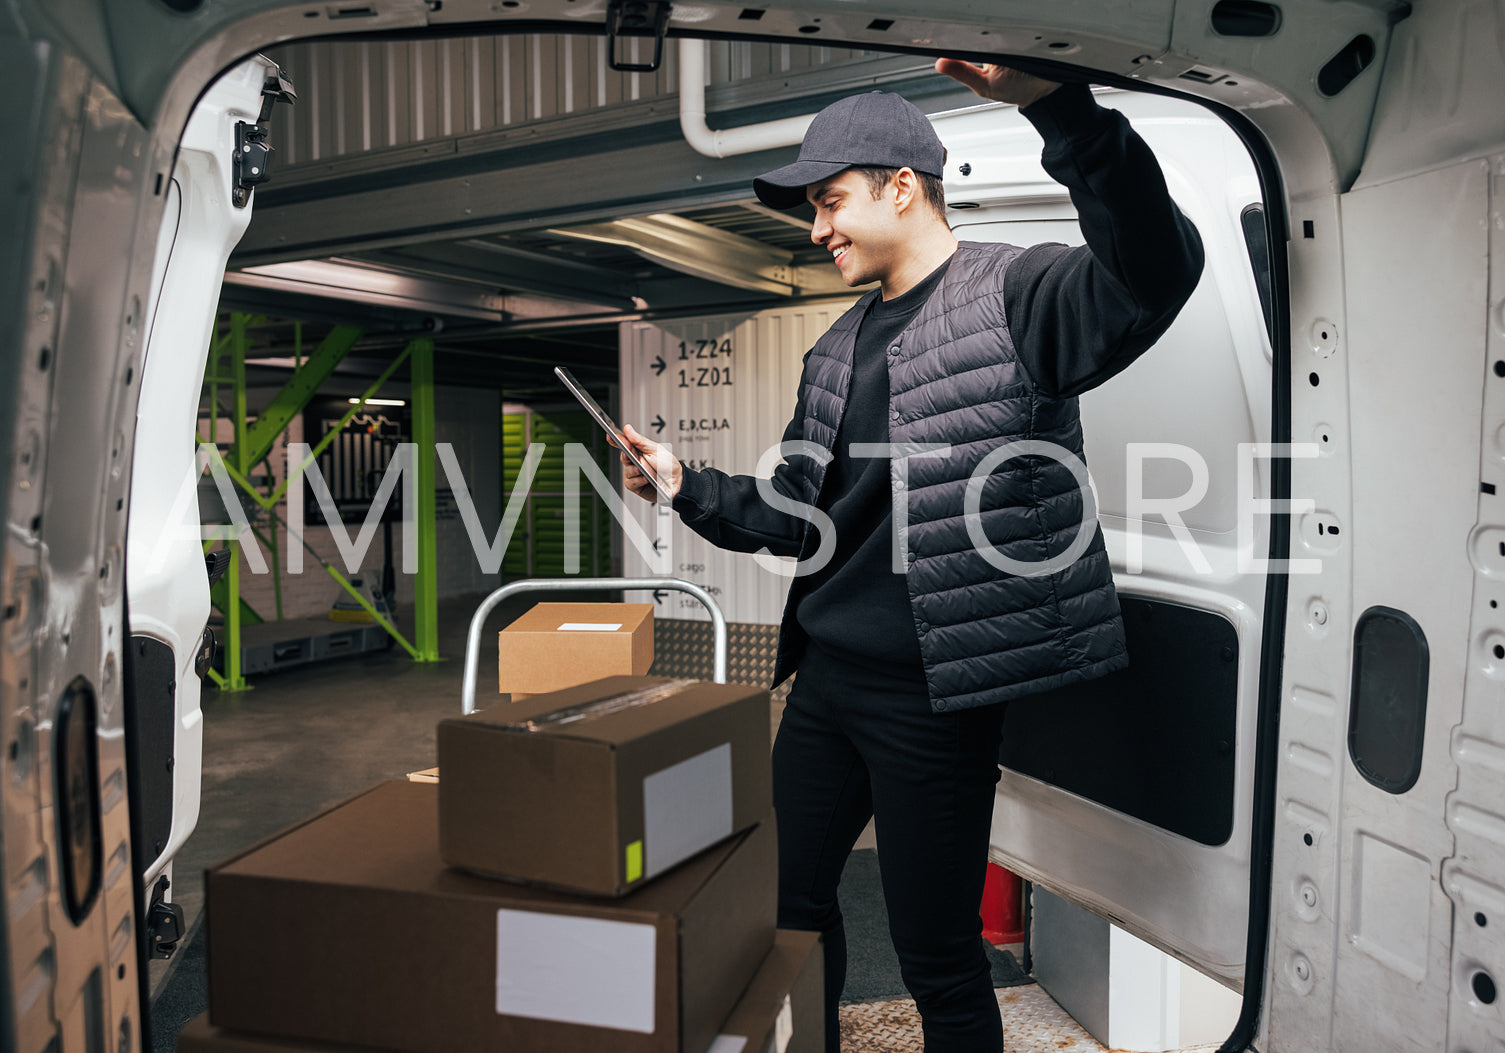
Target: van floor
{"points": [[302, 740]]}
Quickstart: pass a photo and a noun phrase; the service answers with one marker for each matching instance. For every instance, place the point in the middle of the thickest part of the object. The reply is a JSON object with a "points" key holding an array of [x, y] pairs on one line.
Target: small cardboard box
{"points": [[782, 1011], [349, 929], [601, 787], [558, 645]]}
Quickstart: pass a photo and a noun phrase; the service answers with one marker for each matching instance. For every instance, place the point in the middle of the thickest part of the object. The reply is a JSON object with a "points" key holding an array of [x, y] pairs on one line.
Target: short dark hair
{"points": [[931, 188]]}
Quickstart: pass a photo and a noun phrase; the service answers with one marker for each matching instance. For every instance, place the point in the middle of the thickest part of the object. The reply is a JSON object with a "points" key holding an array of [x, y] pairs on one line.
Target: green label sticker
{"points": [[634, 861]]}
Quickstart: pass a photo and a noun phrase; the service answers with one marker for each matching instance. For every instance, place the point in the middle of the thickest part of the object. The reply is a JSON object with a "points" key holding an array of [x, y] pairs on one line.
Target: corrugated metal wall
{"points": [[722, 411], [356, 97]]}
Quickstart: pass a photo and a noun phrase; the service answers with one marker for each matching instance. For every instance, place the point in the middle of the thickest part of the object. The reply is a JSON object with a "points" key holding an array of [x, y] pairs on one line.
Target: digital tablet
{"points": [[610, 427]]}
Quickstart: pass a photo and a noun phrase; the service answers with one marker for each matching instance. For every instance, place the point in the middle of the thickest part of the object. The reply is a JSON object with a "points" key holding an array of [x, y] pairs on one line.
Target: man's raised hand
{"points": [[997, 83], [664, 464]]}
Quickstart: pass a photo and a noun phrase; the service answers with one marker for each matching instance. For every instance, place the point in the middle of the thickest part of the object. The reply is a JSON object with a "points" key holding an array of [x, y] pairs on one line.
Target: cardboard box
{"points": [[783, 1009], [426, 775], [780, 1012], [559, 645], [200, 1036], [350, 929], [602, 787]]}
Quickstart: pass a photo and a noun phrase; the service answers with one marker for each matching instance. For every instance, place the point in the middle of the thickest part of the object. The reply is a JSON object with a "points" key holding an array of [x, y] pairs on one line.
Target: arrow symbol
{"points": [[656, 543], [659, 365], [658, 423], [658, 595]]}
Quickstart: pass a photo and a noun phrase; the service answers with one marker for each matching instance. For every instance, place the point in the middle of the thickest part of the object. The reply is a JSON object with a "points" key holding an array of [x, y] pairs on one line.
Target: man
{"points": [[909, 646]]}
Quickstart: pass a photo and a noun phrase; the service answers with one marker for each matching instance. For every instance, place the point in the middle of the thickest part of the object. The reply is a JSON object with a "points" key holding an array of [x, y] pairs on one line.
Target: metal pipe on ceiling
{"points": [[726, 142]]}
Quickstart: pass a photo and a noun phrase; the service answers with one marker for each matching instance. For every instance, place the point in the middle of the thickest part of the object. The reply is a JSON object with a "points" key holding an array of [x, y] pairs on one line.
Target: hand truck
{"points": [[478, 620]]}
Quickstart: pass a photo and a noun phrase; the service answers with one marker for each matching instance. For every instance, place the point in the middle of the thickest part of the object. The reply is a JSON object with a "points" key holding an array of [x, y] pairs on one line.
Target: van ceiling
{"points": [[511, 199]]}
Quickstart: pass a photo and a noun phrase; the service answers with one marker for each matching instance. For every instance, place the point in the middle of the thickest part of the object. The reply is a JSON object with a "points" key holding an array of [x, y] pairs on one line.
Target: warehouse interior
{"points": [[446, 221]]}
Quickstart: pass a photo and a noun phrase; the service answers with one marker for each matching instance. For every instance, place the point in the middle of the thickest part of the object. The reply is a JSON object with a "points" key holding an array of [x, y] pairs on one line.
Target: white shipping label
{"points": [[686, 807], [589, 627], [575, 970], [783, 1027], [728, 1044]]}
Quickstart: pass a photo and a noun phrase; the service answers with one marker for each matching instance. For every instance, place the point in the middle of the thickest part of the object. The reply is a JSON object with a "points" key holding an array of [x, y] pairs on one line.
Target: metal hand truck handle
{"points": [[478, 620]]}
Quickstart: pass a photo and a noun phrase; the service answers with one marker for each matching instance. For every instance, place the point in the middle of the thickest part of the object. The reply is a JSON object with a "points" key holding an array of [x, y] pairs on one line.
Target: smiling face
{"points": [[863, 234]]}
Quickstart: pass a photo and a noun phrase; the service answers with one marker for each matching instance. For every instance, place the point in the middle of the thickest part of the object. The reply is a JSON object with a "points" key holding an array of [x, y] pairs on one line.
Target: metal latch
{"points": [[252, 151], [164, 923], [636, 19]]}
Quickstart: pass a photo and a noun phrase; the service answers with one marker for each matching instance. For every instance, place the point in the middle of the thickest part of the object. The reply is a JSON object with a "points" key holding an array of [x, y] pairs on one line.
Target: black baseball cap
{"points": [[877, 128]]}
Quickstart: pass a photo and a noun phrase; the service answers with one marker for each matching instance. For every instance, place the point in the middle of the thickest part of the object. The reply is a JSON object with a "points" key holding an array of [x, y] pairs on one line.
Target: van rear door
{"points": [[1132, 795]]}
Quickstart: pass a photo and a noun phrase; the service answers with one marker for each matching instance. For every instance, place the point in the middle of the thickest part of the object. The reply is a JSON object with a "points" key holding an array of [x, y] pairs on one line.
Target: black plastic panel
{"points": [[1387, 713], [75, 766], [1154, 741], [1342, 68], [1252, 219], [152, 716], [1245, 18]]}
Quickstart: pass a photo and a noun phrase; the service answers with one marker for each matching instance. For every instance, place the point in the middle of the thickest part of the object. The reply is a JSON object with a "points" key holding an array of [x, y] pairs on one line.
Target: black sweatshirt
{"points": [[1076, 317]]}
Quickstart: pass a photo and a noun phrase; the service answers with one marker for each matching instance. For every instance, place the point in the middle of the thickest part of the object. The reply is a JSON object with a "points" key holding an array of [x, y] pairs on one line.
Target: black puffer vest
{"points": [[986, 635]]}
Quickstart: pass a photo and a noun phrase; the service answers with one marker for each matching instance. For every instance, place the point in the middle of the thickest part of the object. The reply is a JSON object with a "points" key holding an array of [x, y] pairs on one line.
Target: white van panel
{"points": [[168, 590]]}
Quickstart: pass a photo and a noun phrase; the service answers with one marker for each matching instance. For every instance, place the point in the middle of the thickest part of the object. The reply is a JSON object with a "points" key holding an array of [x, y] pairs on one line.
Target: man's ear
{"points": [[906, 189]]}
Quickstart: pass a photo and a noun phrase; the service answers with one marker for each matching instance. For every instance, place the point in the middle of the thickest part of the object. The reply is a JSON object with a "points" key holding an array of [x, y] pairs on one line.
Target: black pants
{"points": [[856, 744]]}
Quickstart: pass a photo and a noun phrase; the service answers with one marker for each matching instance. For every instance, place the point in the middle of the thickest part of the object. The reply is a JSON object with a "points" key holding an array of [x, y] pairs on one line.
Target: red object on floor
{"points": [[1002, 906]]}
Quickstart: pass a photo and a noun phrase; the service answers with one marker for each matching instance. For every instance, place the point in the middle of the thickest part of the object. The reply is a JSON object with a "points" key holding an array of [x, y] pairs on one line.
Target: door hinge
{"points": [[636, 19], [252, 151], [164, 922]]}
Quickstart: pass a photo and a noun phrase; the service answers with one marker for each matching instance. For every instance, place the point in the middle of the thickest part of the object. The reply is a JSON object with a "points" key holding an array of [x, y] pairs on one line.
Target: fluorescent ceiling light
{"points": [[380, 402]]}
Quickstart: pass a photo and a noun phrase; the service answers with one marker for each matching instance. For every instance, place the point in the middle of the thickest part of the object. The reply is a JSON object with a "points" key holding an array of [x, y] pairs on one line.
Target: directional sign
{"points": [[659, 365], [658, 423]]}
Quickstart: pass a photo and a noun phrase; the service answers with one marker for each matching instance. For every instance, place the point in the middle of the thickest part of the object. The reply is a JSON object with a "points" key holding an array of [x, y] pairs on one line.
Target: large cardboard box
{"points": [[783, 1009], [780, 1012], [350, 929], [601, 787], [558, 645]]}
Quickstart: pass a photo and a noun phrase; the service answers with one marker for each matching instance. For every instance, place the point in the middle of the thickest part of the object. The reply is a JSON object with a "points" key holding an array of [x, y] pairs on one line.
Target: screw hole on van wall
{"points": [[1494, 603], [1314, 378], [1306, 839], [1484, 988], [1479, 919], [44, 359], [1500, 369]]}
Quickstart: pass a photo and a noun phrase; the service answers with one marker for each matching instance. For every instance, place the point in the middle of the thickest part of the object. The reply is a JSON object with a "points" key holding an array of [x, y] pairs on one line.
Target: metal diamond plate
{"points": [[1032, 1023], [687, 648]]}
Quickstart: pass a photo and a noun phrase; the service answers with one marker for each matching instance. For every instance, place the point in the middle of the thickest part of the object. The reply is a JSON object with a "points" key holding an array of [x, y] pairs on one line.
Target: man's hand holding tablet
{"points": [[659, 460]]}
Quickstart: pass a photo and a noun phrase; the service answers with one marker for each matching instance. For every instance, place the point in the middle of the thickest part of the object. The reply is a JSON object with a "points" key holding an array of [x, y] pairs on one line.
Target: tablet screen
{"points": [[609, 426]]}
